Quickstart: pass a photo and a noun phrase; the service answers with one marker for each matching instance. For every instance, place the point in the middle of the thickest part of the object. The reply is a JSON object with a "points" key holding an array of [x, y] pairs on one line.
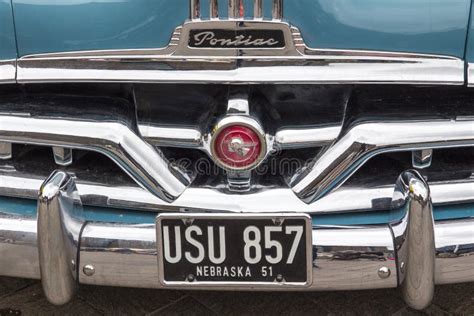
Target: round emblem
{"points": [[237, 147]]}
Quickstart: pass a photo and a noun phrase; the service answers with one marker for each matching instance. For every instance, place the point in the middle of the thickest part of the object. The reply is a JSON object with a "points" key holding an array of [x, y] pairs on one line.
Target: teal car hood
{"points": [[419, 26]]}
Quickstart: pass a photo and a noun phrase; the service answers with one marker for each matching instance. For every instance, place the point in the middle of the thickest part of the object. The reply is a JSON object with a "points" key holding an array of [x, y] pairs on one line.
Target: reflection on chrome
{"points": [[344, 257], [415, 240], [366, 140], [276, 199], [60, 222], [292, 63], [7, 71], [113, 139]]}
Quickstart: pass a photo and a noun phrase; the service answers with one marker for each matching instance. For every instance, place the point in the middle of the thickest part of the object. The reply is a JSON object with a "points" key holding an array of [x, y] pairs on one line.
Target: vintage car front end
{"points": [[258, 145]]}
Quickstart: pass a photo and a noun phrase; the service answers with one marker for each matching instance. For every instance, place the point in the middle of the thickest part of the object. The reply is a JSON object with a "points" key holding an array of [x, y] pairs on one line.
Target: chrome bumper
{"points": [[63, 250]]}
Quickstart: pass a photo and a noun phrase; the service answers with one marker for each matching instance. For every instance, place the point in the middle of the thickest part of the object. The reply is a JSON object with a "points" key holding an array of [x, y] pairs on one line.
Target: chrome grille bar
{"points": [[366, 140], [258, 9], [123, 195], [214, 9], [113, 139], [235, 6], [277, 9], [195, 9]]}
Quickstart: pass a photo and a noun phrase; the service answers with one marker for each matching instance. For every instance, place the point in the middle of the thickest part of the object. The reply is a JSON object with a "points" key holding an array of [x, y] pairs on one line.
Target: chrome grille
{"points": [[305, 124]]}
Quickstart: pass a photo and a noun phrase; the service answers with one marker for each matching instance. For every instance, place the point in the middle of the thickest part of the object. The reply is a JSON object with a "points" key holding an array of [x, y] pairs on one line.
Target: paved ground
{"points": [[24, 297]]}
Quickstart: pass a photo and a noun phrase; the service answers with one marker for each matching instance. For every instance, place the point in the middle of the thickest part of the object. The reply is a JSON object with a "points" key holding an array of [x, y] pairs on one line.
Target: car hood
{"points": [[421, 26]]}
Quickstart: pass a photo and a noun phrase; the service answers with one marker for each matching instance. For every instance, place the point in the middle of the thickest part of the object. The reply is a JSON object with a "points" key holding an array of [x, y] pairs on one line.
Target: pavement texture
{"points": [[25, 297]]}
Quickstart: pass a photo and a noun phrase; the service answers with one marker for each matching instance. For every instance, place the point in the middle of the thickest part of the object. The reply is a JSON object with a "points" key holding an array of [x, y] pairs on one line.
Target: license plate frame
{"points": [[306, 239]]}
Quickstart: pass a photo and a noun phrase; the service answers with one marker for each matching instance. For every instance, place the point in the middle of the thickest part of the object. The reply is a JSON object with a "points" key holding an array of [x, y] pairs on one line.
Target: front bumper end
{"points": [[63, 249]]}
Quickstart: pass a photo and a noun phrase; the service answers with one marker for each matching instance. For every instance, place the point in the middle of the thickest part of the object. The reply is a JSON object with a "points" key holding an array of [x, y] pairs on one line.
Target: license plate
{"points": [[234, 249]]}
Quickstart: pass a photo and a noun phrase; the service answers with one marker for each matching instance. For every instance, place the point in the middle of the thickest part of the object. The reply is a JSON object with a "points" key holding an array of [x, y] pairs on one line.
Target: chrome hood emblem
{"points": [[227, 36]]}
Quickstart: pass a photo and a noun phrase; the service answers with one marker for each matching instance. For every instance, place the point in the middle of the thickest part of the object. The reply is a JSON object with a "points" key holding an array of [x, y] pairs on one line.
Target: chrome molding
{"points": [[117, 141], [5, 151], [280, 55], [59, 223], [172, 136], [285, 138], [366, 140], [125, 196], [306, 137], [8, 71], [454, 251], [415, 240], [340, 68], [470, 75]]}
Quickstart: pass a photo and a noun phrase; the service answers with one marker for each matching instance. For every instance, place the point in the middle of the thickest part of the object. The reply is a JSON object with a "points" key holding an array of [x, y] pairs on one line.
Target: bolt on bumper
{"points": [[64, 250]]}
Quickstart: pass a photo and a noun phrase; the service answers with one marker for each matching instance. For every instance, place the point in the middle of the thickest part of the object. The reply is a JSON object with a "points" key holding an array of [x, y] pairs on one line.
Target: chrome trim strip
{"points": [[8, 71], [344, 199], [306, 137], [285, 138], [455, 249], [18, 247], [115, 140], [171, 136], [366, 140], [294, 63], [321, 70], [59, 228], [415, 240], [470, 75]]}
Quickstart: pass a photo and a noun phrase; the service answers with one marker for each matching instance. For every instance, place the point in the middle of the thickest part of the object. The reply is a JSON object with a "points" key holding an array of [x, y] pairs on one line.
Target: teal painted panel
{"points": [[7, 31], [470, 40], [67, 25], [425, 26]]}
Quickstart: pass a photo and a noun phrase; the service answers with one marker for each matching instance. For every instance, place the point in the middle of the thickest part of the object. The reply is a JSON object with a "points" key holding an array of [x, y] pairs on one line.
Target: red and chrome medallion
{"points": [[237, 147]]}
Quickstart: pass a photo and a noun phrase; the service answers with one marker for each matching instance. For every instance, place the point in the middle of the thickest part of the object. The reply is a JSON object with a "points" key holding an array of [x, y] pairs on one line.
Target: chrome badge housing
{"points": [[236, 35]]}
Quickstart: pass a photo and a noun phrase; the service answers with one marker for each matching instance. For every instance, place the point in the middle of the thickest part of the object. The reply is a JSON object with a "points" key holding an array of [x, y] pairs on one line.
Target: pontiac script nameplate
{"points": [[242, 39]]}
